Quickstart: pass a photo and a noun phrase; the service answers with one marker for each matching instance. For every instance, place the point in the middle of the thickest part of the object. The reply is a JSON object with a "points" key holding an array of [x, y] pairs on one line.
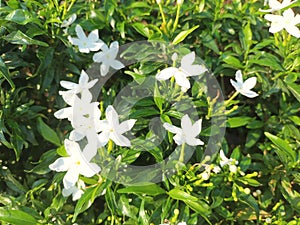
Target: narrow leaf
{"points": [[183, 34], [47, 133]]}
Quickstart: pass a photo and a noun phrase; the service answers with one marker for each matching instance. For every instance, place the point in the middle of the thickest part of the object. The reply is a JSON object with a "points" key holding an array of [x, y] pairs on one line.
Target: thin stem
{"points": [[231, 98], [164, 24], [181, 157], [177, 17], [110, 146]]}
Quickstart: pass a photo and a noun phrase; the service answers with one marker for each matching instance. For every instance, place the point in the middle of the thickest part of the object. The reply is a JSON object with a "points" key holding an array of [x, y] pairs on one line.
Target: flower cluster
{"points": [[288, 20], [84, 116]]}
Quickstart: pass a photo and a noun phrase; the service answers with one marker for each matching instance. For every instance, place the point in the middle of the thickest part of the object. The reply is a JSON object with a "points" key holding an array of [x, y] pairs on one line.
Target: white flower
{"points": [[244, 87], [185, 70], [276, 5], [75, 191], [108, 58], [158, 1], [230, 162], [181, 223], [205, 175], [82, 85], [86, 43], [75, 164], [112, 129], [216, 169], [288, 22], [187, 133], [180, 2], [69, 21]]}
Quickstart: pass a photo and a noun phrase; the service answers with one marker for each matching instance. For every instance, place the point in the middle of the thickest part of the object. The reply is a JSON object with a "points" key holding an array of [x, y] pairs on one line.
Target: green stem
{"points": [[177, 17], [164, 24], [110, 146], [181, 157], [231, 98]]}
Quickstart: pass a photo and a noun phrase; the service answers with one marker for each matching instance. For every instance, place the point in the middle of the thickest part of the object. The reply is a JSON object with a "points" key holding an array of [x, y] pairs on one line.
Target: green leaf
{"points": [[183, 34], [181, 195], [209, 42], [249, 200], [47, 133], [142, 29], [233, 62], [19, 16], [150, 189], [4, 72], [246, 37], [238, 121], [19, 38], [158, 98], [295, 89], [284, 151], [17, 217]]}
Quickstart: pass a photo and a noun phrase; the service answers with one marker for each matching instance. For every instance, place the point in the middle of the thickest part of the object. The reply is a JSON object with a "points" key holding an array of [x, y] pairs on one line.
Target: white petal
{"points": [[64, 113], [120, 139], [293, 30], [194, 70], [248, 93], [91, 83], [98, 57], [71, 147], [77, 194], [236, 86], [116, 64], [70, 178], [90, 150], [112, 117], [196, 128], [188, 60], [273, 18], [94, 36], [84, 78], [165, 74], [126, 126], [76, 136], [288, 14], [249, 83], [89, 169], [79, 31], [95, 46], [103, 138], [67, 192], [104, 69], [233, 168], [178, 138], [239, 77], [276, 27], [194, 141], [171, 128], [61, 164], [68, 85], [181, 80], [68, 96]]}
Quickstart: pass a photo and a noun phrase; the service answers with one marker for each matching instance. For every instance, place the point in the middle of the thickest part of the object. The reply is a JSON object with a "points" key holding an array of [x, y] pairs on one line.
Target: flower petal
{"points": [[103, 138], [68, 85], [76, 136], [70, 178], [236, 85], [181, 80], [61, 164], [293, 30], [79, 31], [116, 64], [165, 74], [98, 57], [171, 128], [249, 83], [84, 78], [94, 36], [194, 70], [120, 139], [126, 126], [104, 68], [192, 141], [248, 93], [188, 60], [64, 113]]}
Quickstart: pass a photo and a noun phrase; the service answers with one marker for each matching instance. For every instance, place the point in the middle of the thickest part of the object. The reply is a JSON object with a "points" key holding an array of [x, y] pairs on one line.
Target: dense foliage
{"points": [[252, 175]]}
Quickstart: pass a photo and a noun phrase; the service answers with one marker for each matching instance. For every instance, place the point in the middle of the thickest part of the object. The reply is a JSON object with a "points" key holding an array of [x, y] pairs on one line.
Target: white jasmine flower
{"points": [[86, 43], [242, 87], [287, 21], [187, 133], [216, 169], [205, 175], [69, 21], [276, 5], [82, 85], [112, 129], [230, 162], [75, 164], [181, 223], [108, 58], [76, 191], [183, 72], [180, 2]]}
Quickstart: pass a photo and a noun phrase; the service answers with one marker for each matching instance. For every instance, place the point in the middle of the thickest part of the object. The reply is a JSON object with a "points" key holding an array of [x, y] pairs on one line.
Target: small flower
{"points": [[180, 2], [69, 21], [244, 87], [230, 162], [75, 191], [205, 175], [86, 43], [288, 22], [276, 5], [158, 1], [216, 169], [108, 58], [75, 164], [181, 223], [82, 85], [185, 70], [268, 220], [187, 133], [112, 129]]}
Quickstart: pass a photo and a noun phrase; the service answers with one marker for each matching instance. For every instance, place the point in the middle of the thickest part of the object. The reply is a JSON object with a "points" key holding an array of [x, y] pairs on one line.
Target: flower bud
{"points": [[180, 2]]}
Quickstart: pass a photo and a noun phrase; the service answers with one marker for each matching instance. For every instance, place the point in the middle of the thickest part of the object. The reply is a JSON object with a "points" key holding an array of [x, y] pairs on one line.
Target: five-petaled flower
{"points": [[229, 162], [113, 130], [108, 58], [244, 87], [183, 72], [276, 5], [86, 43], [187, 133], [75, 164], [287, 21]]}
